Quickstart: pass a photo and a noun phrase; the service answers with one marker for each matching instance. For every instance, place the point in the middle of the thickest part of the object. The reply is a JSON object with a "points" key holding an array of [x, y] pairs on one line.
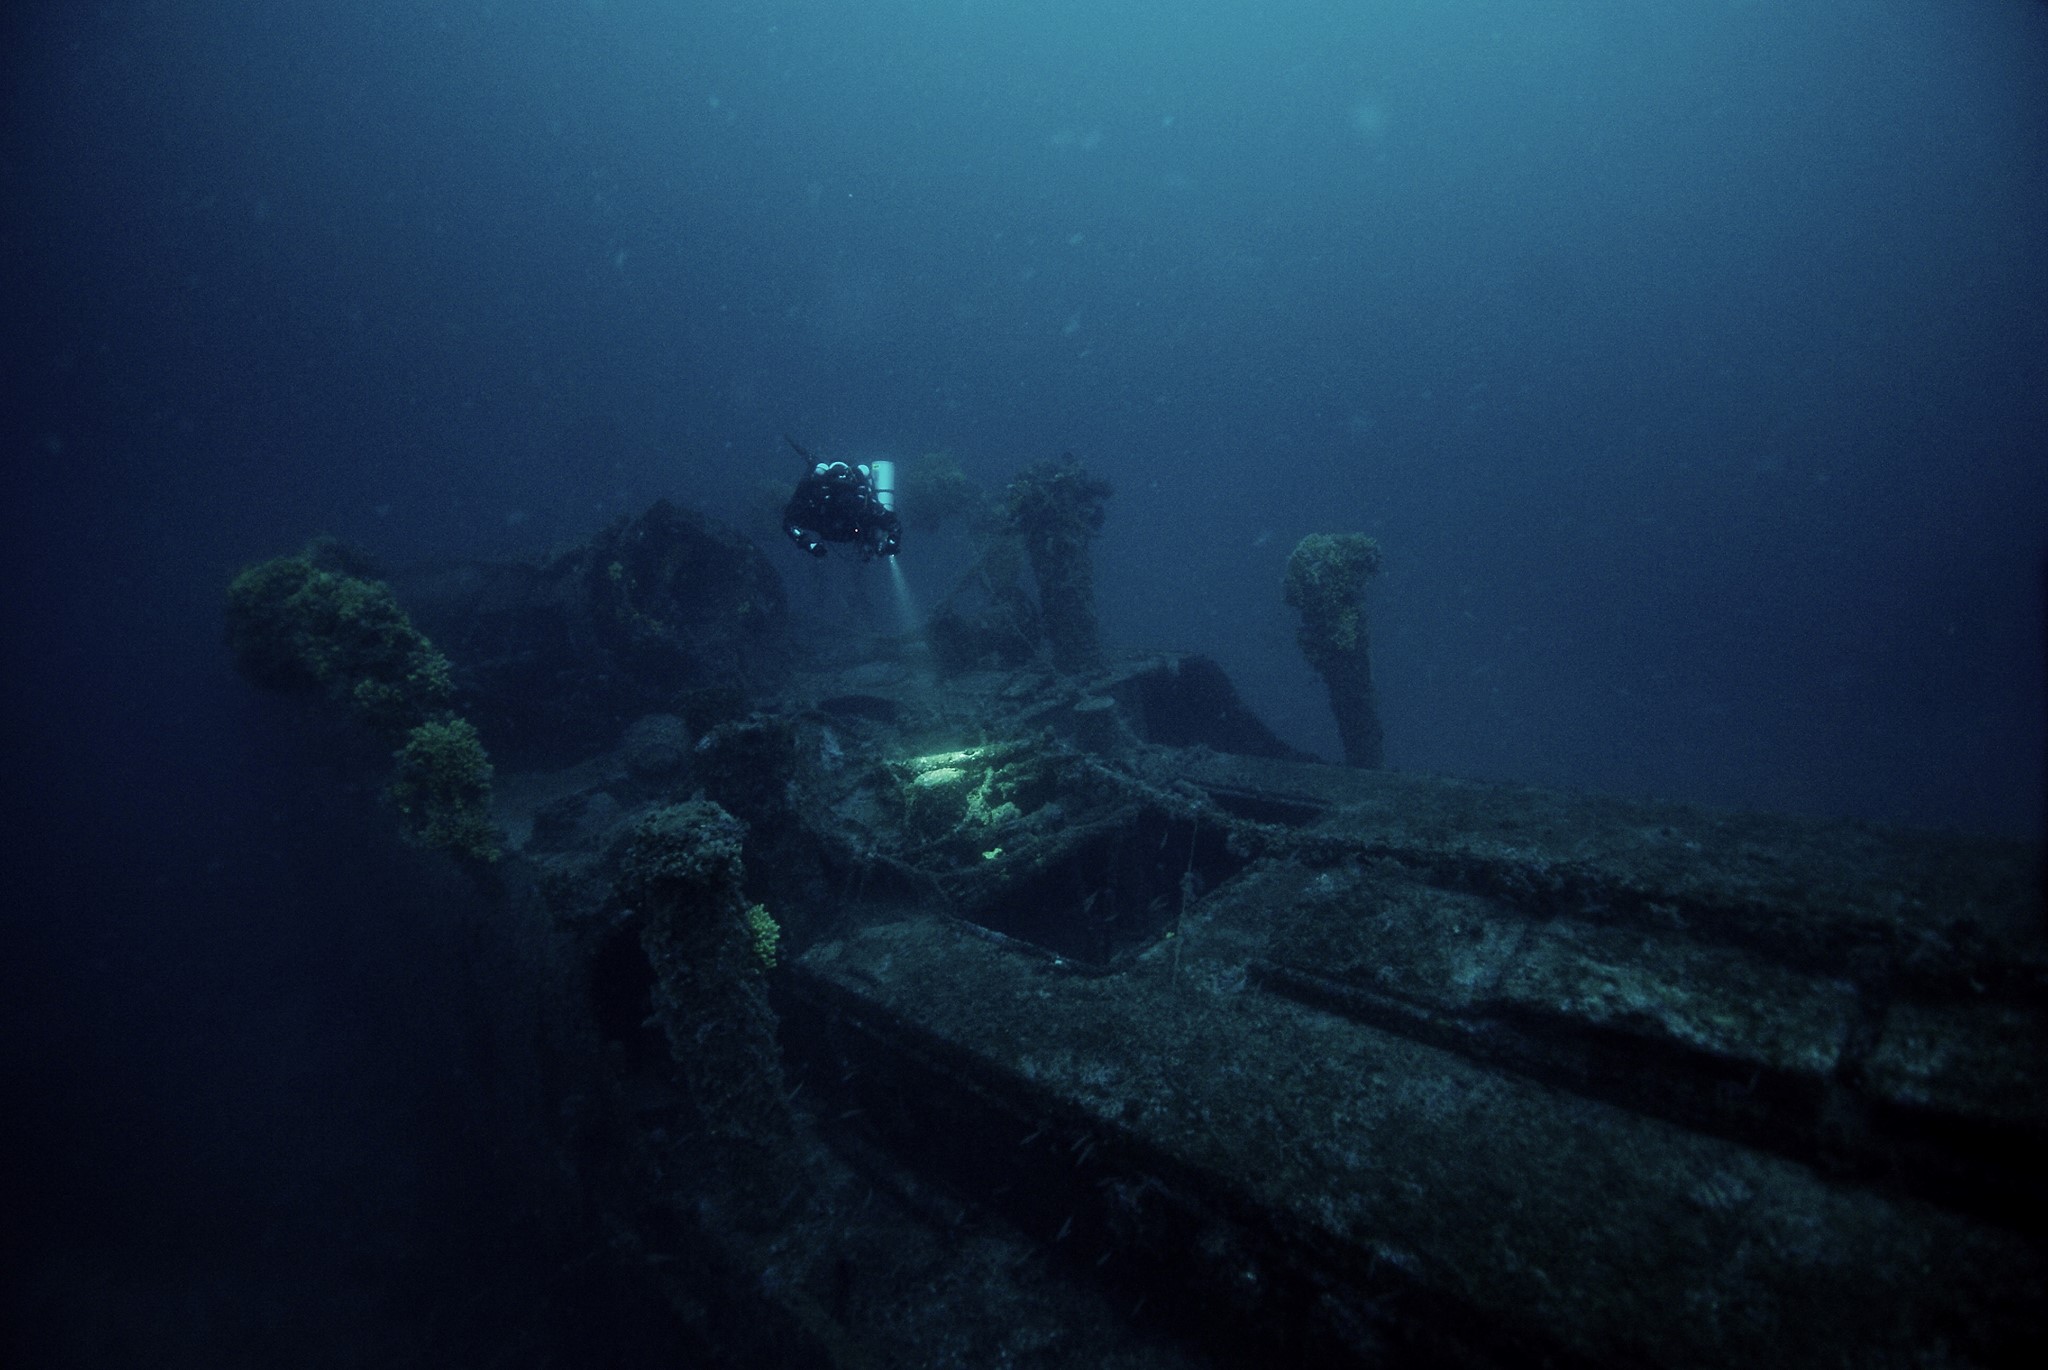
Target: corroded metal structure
{"points": [[1194, 1052], [1005, 1015]]}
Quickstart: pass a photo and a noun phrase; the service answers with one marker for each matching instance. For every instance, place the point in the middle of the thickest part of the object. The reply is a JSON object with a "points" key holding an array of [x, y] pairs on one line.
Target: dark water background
{"points": [[1690, 362]]}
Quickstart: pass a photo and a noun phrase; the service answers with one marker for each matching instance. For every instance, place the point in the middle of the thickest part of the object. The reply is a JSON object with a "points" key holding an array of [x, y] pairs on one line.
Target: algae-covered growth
{"points": [[312, 624], [295, 624], [443, 790], [680, 875], [767, 935], [1327, 575], [1326, 579]]}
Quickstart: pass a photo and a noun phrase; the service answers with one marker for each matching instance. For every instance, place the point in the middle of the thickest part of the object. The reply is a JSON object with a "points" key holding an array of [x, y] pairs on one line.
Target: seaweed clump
{"points": [[303, 624], [1056, 507], [316, 623], [443, 789], [1327, 575]]}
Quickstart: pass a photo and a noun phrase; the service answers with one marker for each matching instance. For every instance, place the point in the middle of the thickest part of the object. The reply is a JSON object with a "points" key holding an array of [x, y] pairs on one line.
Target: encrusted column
{"points": [[1326, 579], [1056, 507]]}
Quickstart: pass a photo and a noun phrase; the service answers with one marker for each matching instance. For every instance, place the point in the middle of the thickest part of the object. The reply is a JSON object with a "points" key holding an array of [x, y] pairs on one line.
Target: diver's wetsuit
{"points": [[835, 502]]}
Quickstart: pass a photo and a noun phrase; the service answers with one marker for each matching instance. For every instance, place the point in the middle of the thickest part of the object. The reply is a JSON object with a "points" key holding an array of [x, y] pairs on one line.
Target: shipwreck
{"points": [[973, 1001]]}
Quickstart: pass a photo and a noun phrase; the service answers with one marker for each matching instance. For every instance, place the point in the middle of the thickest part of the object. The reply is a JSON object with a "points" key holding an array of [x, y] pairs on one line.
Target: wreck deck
{"points": [[1480, 1075]]}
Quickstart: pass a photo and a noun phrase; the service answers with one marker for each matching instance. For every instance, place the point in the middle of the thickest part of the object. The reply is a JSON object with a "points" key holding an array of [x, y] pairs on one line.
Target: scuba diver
{"points": [[838, 502]]}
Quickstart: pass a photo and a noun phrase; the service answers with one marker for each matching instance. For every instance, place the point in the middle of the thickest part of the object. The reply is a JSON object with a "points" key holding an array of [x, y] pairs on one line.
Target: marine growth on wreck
{"points": [[1004, 998]]}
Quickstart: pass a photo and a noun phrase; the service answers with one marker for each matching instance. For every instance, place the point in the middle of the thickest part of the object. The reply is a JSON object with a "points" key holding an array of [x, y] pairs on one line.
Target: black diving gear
{"points": [[838, 502]]}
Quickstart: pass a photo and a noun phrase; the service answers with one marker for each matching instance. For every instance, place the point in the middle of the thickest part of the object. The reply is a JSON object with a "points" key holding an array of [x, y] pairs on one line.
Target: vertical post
{"points": [[1326, 579]]}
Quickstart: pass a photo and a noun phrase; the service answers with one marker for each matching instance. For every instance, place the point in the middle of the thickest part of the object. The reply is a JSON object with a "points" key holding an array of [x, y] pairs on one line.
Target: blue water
{"points": [[1687, 360]]}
